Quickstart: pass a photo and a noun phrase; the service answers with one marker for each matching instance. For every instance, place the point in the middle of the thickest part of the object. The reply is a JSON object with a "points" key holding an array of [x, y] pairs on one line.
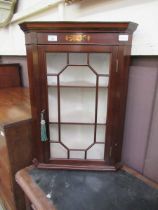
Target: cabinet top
{"points": [[128, 27]]}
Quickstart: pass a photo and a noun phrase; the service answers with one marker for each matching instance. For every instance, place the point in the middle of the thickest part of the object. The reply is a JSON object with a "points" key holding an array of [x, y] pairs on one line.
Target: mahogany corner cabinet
{"points": [[78, 73]]}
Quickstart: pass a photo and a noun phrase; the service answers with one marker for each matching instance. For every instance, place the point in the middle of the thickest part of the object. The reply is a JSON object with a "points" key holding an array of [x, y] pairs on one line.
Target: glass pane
{"points": [[77, 105], [102, 105], [78, 76], [57, 151], [100, 137], [103, 81], [56, 62], [77, 136], [52, 104], [100, 62], [96, 152], [52, 80], [77, 154], [77, 58], [53, 132]]}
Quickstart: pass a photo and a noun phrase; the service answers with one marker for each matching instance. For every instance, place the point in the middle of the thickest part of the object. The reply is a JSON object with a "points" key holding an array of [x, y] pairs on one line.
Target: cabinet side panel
{"points": [[19, 141], [35, 98], [121, 94]]}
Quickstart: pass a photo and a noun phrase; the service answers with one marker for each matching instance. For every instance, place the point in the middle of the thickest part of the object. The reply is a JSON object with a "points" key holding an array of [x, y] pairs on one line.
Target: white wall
{"points": [[143, 12]]}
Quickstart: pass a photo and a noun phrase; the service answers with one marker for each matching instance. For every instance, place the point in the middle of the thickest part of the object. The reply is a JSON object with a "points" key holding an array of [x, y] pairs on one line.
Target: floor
{"points": [[81, 190]]}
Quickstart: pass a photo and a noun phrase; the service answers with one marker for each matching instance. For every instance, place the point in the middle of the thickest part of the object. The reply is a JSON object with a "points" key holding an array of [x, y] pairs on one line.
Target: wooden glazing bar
{"points": [[51, 141], [103, 75], [63, 69], [88, 59], [89, 147], [85, 156], [68, 151], [64, 145], [87, 150], [67, 58], [51, 74], [96, 110], [98, 142], [82, 150], [93, 70], [78, 65], [58, 89]]}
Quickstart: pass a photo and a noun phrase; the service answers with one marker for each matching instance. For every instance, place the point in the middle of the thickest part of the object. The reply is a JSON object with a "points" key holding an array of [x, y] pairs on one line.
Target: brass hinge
{"points": [[117, 65], [110, 152]]}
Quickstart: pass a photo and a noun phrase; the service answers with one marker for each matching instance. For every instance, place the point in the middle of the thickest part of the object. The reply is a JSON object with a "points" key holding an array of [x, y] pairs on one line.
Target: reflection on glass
{"points": [[77, 105], [102, 105], [100, 136], [56, 62], [77, 58], [57, 151], [53, 132], [96, 152], [78, 75], [52, 80], [103, 81], [100, 62], [77, 136], [77, 154], [52, 104]]}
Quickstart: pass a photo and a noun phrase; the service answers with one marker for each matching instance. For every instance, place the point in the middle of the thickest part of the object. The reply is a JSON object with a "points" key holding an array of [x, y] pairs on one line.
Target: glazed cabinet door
{"points": [[78, 96]]}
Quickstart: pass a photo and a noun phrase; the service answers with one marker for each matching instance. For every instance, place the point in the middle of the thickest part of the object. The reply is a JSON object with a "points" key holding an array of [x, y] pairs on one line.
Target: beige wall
{"points": [[141, 133], [143, 12]]}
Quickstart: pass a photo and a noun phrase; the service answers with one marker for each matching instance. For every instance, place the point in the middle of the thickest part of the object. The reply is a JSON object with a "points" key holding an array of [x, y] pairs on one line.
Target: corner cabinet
{"points": [[78, 74]]}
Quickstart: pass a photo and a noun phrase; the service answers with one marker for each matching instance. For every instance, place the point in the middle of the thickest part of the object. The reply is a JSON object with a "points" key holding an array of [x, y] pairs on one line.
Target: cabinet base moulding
{"points": [[79, 166]]}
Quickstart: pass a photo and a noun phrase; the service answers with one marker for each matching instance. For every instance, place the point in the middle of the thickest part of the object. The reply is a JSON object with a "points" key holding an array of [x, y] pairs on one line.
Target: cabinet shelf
{"points": [[76, 123], [78, 84], [58, 142], [55, 75], [79, 117]]}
